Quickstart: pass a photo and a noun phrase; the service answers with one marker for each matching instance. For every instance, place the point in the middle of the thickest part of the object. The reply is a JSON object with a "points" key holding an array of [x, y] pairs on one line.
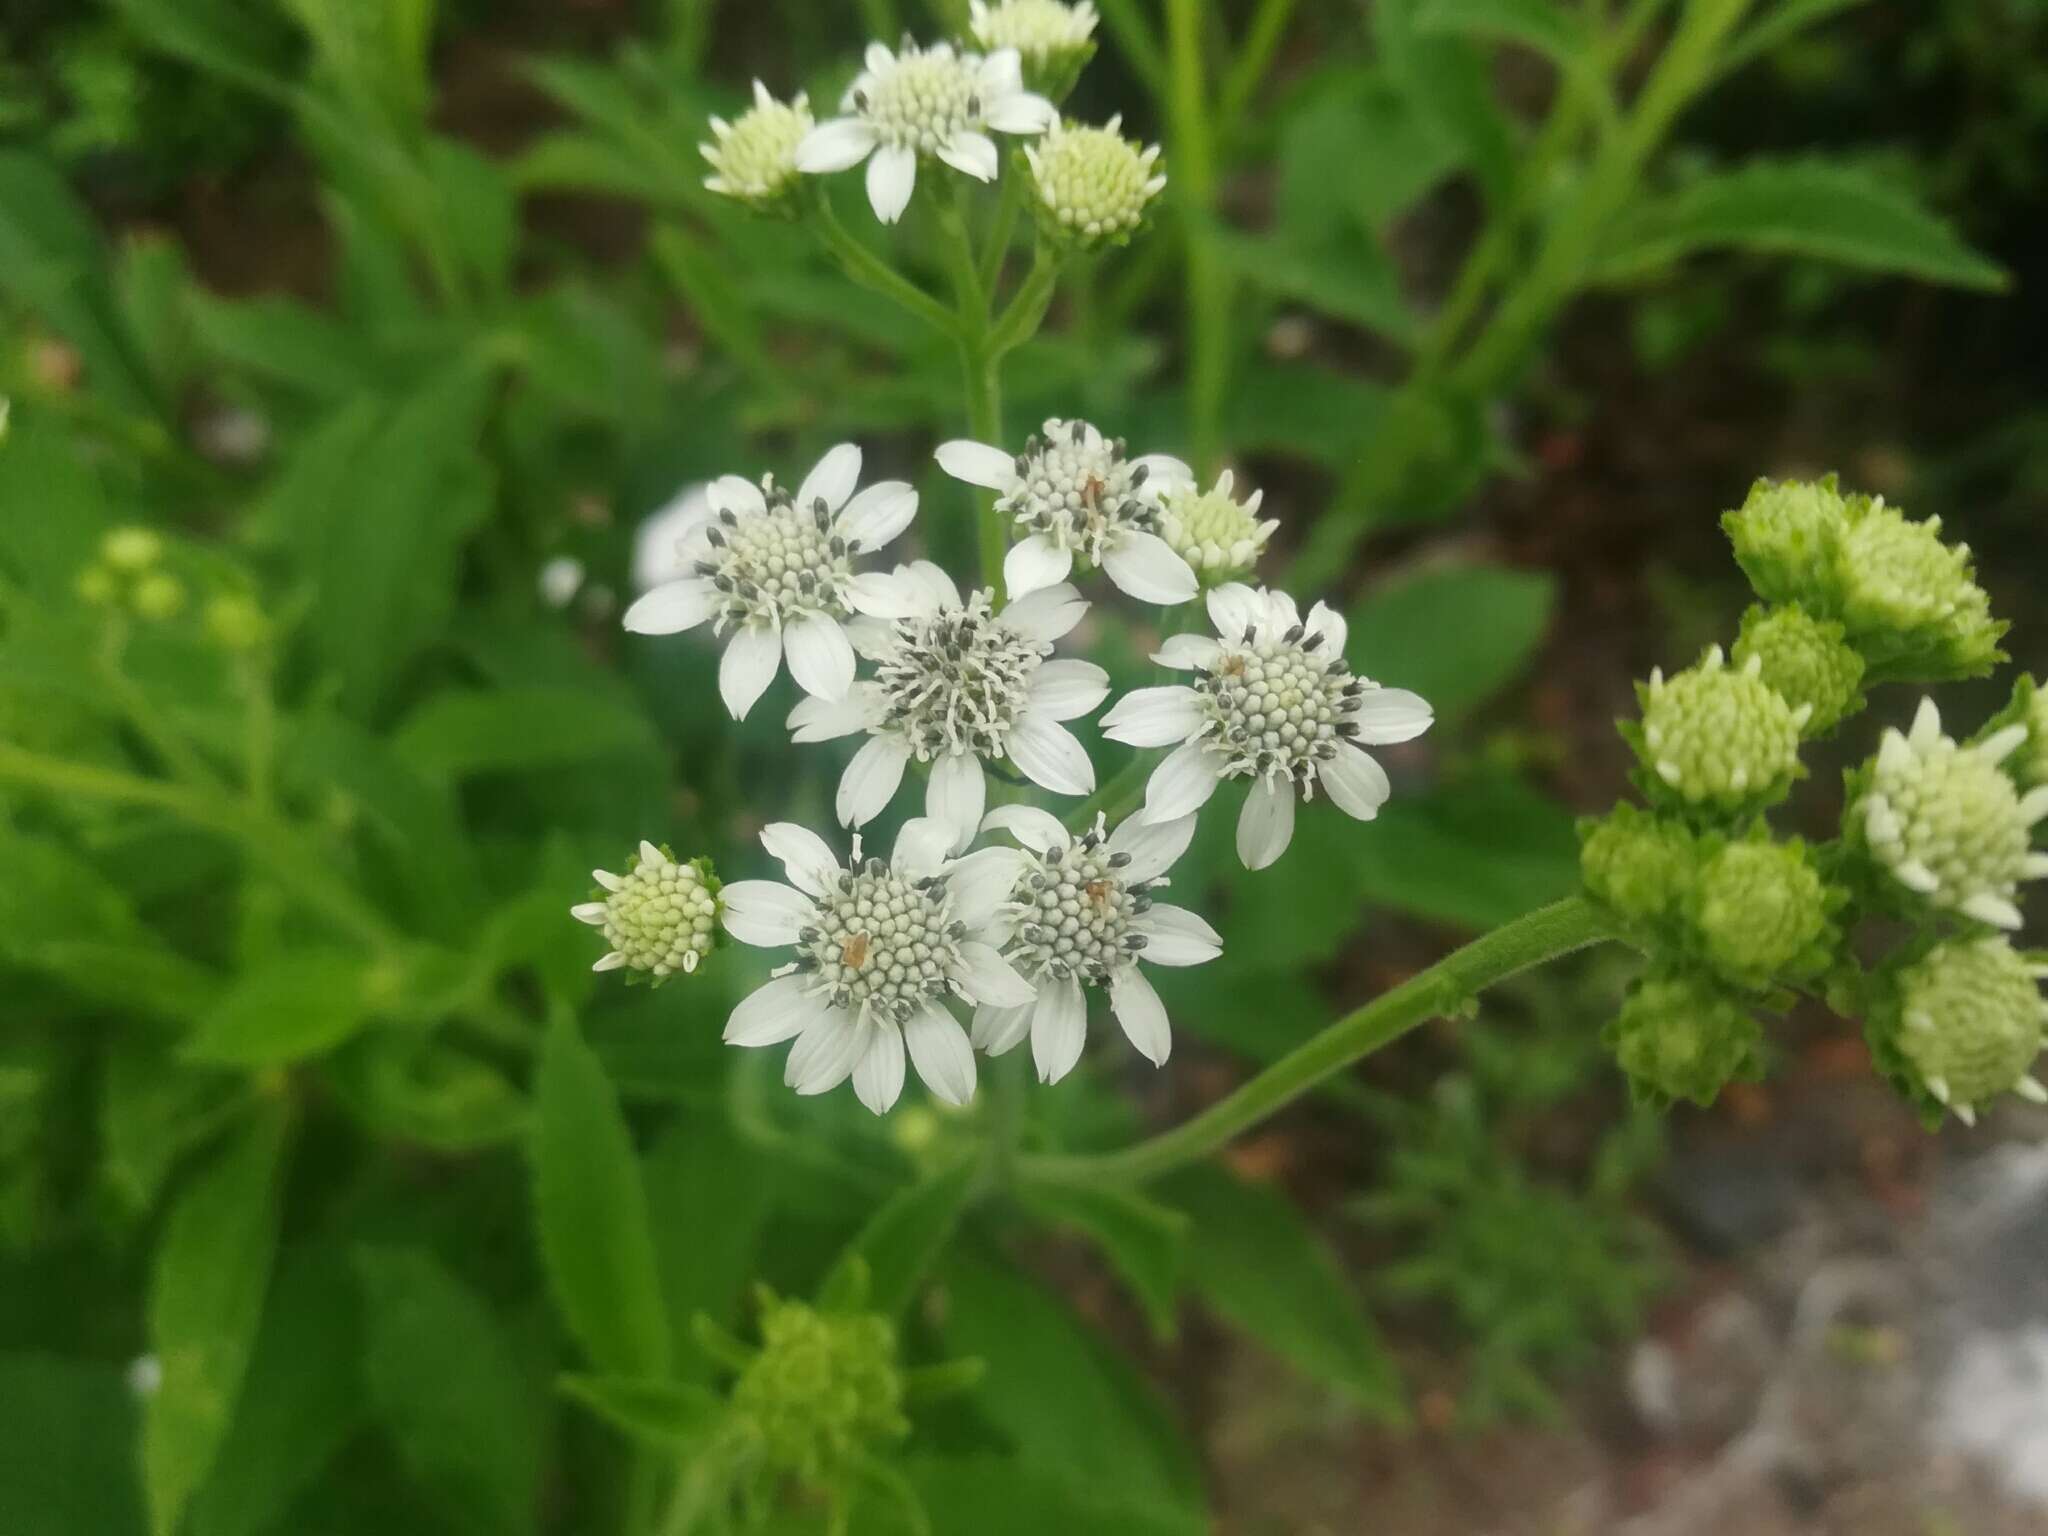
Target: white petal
{"points": [[592, 912], [805, 857], [672, 607], [1163, 472], [956, 795], [1926, 729], [1266, 824], [1059, 1028], [765, 912], [877, 57], [870, 780], [834, 145], [813, 719], [878, 514], [1329, 623], [972, 154], [944, 1059], [657, 542], [986, 977], [825, 1053], [737, 495], [1035, 563], [878, 1078], [1143, 1016], [1045, 615], [1182, 784], [1281, 614], [1154, 717], [1021, 112], [1002, 74], [892, 177], [1154, 846], [831, 479], [1176, 936], [1145, 565], [1388, 715], [777, 1011], [981, 882], [1188, 652], [749, 664], [940, 590], [1036, 829], [923, 847], [1047, 753], [977, 464], [889, 594], [997, 1030], [609, 962], [820, 655], [1355, 783], [1067, 690], [873, 640], [1234, 608]]}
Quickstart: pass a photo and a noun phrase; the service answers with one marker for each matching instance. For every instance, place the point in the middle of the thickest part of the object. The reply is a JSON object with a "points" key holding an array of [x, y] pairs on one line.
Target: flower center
{"points": [[786, 560], [957, 681], [1955, 813], [1075, 487], [882, 941], [1279, 704], [1072, 914], [924, 101], [661, 918]]}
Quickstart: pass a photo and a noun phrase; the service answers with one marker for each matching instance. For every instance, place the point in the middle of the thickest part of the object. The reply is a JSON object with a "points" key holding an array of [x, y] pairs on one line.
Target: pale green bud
{"points": [[1053, 41], [1092, 185], [754, 160], [2030, 764], [1717, 737], [1639, 864], [158, 596], [97, 585], [660, 917], [1963, 1024], [1908, 600], [1762, 913], [132, 548], [1784, 536], [824, 1391], [1220, 537], [1806, 661], [236, 622], [1683, 1036]]}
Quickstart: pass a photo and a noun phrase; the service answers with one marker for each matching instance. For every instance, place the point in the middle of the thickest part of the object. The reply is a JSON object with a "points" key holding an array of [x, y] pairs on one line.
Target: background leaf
{"points": [[1144, 1241], [290, 1005], [901, 1240], [67, 1429], [1454, 634]]}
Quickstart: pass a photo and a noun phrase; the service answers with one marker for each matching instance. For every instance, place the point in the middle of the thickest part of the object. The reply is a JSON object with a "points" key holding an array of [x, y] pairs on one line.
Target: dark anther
{"points": [[1314, 640], [1293, 636]]}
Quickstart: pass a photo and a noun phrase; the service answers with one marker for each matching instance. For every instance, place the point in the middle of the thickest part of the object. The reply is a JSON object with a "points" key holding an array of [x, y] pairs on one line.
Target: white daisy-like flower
{"points": [[754, 159], [880, 949], [776, 572], [1273, 701], [1081, 914], [1074, 494], [959, 682], [1947, 821], [924, 101]]}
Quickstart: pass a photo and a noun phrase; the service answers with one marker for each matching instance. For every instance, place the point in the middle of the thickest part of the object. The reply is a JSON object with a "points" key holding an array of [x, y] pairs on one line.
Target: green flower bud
{"points": [[1639, 864], [1805, 660], [1682, 1036], [754, 160], [660, 917], [1946, 822], [1784, 537], [1718, 738], [1053, 41], [1908, 599], [131, 548], [1093, 185], [97, 585], [158, 596], [1761, 912], [2028, 710], [236, 622], [1218, 535], [824, 1390], [1962, 1024]]}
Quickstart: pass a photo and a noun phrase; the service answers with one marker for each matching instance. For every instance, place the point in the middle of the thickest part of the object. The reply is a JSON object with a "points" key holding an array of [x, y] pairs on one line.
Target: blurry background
{"points": [[398, 326]]}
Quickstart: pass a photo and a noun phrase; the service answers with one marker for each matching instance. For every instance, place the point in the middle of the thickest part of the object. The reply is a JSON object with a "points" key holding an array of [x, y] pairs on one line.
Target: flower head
{"points": [[2030, 764], [754, 159], [1908, 600], [1642, 865], [1719, 736], [1080, 913], [880, 948], [1094, 186], [1762, 913], [1053, 39], [1806, 661], [1784, 536], [958, 683], [1273, 701], [1076, 495], [1683, 1036], [1963, 1024], [660, 917], [776, 572], [1212, 530], [918, 103], [1948, 822], [823, 1391]]}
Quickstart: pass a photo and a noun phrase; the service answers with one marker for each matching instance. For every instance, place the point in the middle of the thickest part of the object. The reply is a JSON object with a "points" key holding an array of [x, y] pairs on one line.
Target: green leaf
{"points": [[707, 1224], [509, 730], [211, 1269], [1477, 853], [67, 1436], [297, 1003], [1314, 414], [901, 1242], [1257, 1263], [1447, 83], [404, 1088], [1558, 34], [1779, 24], [1355, 154], [1346, 276], [1144, 1241], [286, 342], [448, 1391], [154, 1109], [671, 1416], [1809, 208], [591, 1210], [989, 1496], [1455, 634]]}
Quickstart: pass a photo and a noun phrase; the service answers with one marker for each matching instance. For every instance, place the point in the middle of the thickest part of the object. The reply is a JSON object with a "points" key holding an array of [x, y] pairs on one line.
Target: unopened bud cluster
{"points": [[823, 1392], [129, 576], [1960, 1024], [1220, 537], [660, 917], [1093, 185]]}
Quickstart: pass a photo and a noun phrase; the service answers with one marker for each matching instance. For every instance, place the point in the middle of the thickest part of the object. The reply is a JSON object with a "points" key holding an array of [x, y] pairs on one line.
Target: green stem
{"points": [[875, 274], [1540, 937], [1208, 285], [1254, 56], [1025, 313], [1116, 799], [1008, 202], [979, 368]]}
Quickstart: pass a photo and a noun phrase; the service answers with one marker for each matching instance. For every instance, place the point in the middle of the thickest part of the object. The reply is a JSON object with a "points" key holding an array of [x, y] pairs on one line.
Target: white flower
{"points": [[1212, 530], [1040, 30], [924, 101], [560, 580], [754, 159], [777, 571], [660, 916], [880, 949], [1080, 914], [1073, 493], [1273, 701], [1948, 823], [958, 683]]}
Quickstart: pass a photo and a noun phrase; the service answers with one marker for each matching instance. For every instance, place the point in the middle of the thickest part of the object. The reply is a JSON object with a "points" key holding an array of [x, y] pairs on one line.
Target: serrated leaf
{"points": [[671, 1416], [1558, 34], [1777, 25], [67, 1435], [294, 1004], [211, 1269], [1455, 635], [1810, 208], [591, 1209], [900, 1242], [1255, 1260], [1446, 82], [1144, 1241], [707, 1224], [508, 730]]}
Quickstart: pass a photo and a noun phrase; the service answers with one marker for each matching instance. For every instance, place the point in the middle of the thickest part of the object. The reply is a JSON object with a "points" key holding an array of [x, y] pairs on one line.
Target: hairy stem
{"points": [[875, 274], [1208, 284], [980, 364]]}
